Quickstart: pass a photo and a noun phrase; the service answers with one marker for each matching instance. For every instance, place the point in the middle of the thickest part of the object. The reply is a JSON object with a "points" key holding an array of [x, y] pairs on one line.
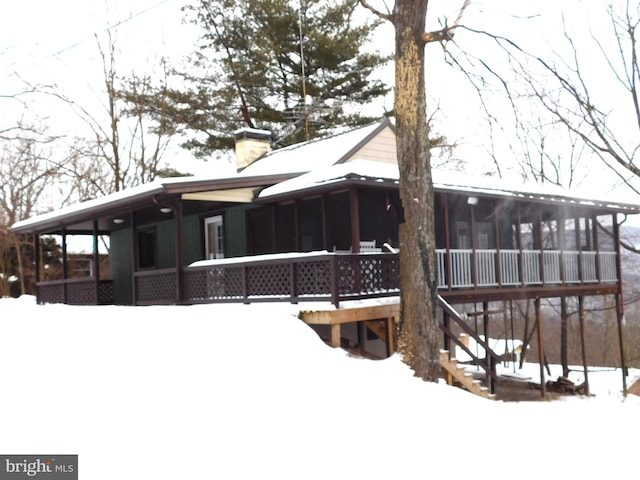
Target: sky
{"points": [[54, 43], [249, 391]]}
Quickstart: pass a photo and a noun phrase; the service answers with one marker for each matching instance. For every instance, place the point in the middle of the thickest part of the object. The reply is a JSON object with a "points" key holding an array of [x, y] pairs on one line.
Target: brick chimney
{"points": [[251, 144]]}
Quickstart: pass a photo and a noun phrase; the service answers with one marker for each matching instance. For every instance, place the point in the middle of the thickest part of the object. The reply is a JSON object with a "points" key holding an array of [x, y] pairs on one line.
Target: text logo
{"points": [[46, 467]]}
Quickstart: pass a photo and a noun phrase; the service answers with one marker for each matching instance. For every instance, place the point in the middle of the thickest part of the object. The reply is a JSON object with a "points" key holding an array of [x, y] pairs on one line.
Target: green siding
{"points": [[120, 261], [165, 244], [193, 240], [235, 230]]}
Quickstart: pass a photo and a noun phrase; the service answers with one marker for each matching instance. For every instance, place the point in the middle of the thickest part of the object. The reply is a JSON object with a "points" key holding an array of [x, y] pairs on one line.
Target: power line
{"points": [[109, 28], [106, 29]]}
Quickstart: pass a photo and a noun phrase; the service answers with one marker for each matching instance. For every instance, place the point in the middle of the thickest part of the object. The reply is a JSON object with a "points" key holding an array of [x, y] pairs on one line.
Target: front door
{"points": [[214, 237]]}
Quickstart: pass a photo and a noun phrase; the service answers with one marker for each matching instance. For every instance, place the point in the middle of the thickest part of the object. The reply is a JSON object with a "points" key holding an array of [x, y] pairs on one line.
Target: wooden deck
{"points": [[382, 319]]}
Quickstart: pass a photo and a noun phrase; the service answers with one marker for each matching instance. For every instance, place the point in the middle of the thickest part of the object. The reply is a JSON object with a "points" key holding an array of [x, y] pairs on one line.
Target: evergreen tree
{"points": [[251, 69]]}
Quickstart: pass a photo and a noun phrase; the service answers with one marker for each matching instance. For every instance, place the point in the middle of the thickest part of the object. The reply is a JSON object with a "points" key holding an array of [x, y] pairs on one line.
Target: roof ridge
{"points": [[295, 146]]}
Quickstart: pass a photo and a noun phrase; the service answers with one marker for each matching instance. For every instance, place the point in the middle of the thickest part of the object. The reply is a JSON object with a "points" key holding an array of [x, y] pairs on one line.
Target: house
{"points": [[293, 224]]}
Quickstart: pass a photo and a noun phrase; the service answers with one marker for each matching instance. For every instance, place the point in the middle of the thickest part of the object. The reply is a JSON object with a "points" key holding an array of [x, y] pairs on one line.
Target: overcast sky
{"points": [[54, 42]]}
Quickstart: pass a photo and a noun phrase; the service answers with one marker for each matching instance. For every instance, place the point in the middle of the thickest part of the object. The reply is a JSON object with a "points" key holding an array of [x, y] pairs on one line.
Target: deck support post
{"points": [[391, 335], [335, 335], [623, 363], [583, 344], [543, 388]]}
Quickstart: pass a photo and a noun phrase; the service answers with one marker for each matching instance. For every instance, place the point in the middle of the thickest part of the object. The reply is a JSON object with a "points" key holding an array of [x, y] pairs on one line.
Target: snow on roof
{"points": [[318, 153], [334, 173], [123, 196], [444, 180], [127, 194]]}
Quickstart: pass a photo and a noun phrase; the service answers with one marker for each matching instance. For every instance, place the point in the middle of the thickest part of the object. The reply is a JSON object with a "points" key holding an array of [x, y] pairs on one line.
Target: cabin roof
{"points": [[317, 153], [318, 164], [443, 181]]}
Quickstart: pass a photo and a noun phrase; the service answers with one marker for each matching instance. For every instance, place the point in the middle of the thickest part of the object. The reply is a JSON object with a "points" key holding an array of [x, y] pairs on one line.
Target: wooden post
{"points": [[391, 336], [543, 387], [355, 220], [583, 343], [96, 262], [335, 335], [37, 258], [620, 303], [623, 363], [362, 335], [179, 250], [65, 265], [447, 232]]}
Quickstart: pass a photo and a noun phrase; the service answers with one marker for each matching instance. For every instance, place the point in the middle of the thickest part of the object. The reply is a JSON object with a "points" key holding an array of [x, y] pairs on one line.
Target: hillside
{"points": [[249, 391]]}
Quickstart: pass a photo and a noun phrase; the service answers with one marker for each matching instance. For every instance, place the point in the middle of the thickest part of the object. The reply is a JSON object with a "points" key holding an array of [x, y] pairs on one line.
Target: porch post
{"points": [[596, 246], [562, 245], [355, 219], [325, 224], [497, 234], [296, 227], [179, 254], [519, 238], [65, 266], [96, 262], [541, 246], [576, 223], [134, 257], [36, 255], [473, 246], [447, 235]]}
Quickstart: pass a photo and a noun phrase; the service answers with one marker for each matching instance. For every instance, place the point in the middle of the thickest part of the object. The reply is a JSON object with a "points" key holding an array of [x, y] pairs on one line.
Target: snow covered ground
{"points": [[250, 392]]}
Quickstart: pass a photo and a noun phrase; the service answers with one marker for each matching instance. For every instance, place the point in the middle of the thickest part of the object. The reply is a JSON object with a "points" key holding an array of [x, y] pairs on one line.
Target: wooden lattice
{"points": [[156, 288], [82, 293], [273, 279], [51, 293], [313, 278], [105, 292]]}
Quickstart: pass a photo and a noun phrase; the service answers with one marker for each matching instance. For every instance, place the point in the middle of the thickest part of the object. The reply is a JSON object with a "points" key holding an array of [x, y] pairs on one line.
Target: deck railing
{"points": [[76, 291], [337, 277], [332, 277], [506, 268]]}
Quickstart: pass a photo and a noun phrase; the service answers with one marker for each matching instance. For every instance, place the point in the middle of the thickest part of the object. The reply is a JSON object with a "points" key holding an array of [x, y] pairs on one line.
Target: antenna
{"points": [[304, 82]]}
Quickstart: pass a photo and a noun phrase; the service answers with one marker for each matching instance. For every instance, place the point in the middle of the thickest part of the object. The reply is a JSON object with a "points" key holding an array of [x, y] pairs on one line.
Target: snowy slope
{"points": [[249, 392]]}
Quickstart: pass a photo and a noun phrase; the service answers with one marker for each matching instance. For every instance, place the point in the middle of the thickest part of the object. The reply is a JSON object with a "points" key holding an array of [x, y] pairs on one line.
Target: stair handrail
{"points": [[491, 358]]}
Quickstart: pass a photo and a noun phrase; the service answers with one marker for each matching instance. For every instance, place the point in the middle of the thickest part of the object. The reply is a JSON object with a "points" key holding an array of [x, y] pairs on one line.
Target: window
{"points": [[214, 237], [147, 248]]}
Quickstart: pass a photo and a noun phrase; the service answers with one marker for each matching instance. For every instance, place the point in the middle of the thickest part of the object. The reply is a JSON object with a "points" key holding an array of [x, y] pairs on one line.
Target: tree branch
{"points": [[445, 34], [385, 16]]}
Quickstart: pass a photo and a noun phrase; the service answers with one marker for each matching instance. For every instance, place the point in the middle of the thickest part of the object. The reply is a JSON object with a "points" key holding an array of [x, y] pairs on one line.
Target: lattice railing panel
{"points": [[82, 293], [105, 292], [370, 275], [273, 279], [346, 268], [313, 278], [52, 293], [156, 287]]}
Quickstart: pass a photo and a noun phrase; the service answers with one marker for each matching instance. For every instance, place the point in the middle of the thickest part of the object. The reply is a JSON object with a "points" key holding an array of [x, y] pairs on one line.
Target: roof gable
{"points": [[375, 142]]}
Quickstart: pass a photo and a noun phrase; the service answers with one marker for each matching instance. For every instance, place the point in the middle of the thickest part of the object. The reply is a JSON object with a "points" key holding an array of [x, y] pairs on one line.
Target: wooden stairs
{"points": [[456, 374]]}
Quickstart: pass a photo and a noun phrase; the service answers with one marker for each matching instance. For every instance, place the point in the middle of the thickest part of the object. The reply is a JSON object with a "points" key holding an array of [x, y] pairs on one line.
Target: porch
{"points": [[463, 275]]}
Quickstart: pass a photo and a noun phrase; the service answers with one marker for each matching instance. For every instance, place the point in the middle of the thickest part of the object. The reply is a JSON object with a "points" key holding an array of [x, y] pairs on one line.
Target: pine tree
{"points": [[251, 69]]}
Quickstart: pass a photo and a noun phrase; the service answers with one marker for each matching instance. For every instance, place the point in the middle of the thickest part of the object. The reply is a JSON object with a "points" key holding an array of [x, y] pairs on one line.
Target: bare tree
{"points": [[27, 172], [418, 334], [124, 147]]}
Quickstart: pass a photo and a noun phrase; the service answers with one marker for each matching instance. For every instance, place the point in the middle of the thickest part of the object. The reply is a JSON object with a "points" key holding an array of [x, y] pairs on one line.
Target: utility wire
{"points": [[106, 29]]}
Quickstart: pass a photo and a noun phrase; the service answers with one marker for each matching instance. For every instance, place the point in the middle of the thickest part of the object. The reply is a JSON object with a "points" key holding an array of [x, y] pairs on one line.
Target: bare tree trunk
{"points": [[418, 335]]}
